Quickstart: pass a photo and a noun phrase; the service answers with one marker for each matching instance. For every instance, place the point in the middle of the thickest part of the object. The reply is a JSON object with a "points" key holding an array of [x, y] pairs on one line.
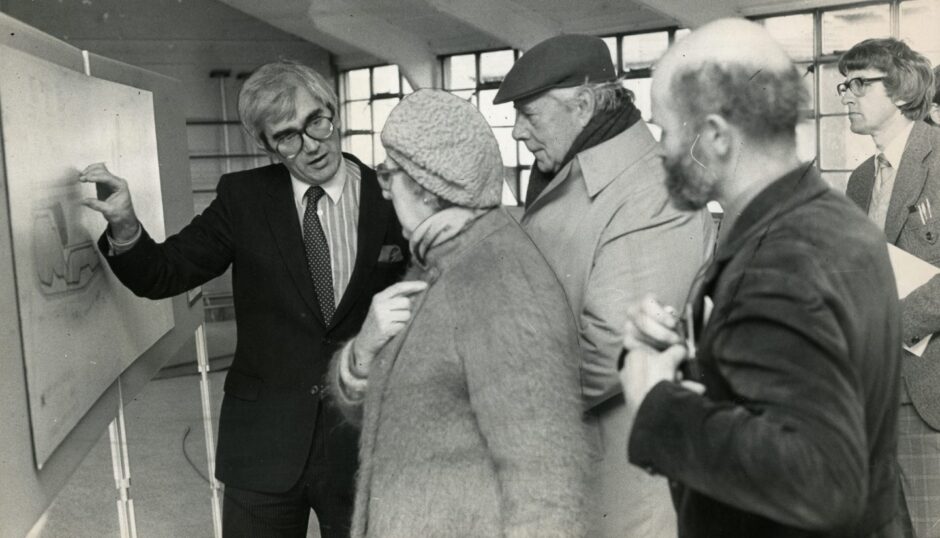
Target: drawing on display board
{"points": [[80, 327], [65, 262]]}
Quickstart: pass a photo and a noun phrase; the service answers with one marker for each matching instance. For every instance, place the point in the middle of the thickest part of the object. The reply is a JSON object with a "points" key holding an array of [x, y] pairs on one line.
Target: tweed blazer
{"points": [[917, 180], [274, 388], [471, 424]]}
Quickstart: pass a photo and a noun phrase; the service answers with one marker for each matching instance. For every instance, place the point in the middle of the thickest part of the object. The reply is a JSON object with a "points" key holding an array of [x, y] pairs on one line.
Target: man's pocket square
{"points": [[390, 254]]}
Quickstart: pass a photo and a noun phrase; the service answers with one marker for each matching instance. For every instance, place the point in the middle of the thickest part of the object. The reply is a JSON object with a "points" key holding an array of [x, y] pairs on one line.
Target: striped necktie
{"points": [[318, 255], [881, 194]]}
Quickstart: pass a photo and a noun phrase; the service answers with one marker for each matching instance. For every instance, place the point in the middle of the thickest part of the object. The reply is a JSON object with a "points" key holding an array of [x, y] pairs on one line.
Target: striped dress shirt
{"points": [[339, 216]]}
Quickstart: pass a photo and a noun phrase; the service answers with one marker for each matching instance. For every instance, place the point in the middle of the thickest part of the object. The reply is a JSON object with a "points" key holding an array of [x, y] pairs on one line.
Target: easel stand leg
{"points": [[120, 463], [202, 358]]}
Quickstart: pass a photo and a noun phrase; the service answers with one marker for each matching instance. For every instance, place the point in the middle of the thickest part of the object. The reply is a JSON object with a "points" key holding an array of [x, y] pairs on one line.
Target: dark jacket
{"points": [[917, 179], [275, 384], [797, 431]]}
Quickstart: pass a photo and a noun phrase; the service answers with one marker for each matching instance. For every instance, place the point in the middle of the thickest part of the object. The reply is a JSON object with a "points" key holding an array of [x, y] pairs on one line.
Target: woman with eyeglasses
{"points": [[465, 376]]}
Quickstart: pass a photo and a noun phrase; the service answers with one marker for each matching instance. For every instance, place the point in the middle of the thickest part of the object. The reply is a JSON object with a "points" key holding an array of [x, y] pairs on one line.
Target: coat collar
{"points": [[909, 181], [792, 190], [282, 220], [443, 256], [598, 166], [601, 164], [861, 183]]}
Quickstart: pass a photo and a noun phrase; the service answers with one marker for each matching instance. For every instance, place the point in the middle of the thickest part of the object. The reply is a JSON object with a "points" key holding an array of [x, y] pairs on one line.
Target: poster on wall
{"points": [[80, 327]]}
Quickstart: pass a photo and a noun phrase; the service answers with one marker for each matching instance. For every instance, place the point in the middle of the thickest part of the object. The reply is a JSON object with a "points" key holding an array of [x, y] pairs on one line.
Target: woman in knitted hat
{"points": [[464, 377]]}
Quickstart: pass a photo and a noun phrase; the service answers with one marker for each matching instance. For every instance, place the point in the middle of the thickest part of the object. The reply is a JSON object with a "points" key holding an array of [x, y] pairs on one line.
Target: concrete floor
{"points": [[170, 497]]}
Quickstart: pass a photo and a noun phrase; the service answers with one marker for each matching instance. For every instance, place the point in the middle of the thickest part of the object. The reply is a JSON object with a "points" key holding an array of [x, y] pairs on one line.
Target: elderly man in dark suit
{"points": [[888, 90], [784, 422], [310, 240]]}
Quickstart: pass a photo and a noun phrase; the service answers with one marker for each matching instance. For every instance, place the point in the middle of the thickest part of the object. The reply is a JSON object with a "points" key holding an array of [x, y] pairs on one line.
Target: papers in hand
{"points": [[911, 272]]}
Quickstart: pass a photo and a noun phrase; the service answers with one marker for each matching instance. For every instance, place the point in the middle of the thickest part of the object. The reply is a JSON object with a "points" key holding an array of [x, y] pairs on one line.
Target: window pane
{"points": [[467, 95], [795, 33], [680, 33], [360, 146], [806, 140], [508, 197], [525, 156], [840, 148], [357, 116], [460, 72], [380, 111], [837, 180], [494, 65], [385, 79], [642, 50], [641, 94], [806, 71], [611, 43], [507, 146], [378, 148], [357, 84], [829, 100], [503, 115], [523, 184], [843, 28], [919, 27]]}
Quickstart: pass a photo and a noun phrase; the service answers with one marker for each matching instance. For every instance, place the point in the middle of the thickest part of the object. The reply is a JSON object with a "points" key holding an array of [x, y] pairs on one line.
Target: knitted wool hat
{"points": [[445, 144]]}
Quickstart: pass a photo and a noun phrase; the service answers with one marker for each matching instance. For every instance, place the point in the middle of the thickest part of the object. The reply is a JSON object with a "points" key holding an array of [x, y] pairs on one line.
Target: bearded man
{"points": [[783, 421]]}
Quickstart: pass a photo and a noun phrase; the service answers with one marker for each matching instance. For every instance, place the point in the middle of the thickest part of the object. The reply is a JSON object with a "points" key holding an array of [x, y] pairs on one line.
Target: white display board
{"points": [[80, 327]]}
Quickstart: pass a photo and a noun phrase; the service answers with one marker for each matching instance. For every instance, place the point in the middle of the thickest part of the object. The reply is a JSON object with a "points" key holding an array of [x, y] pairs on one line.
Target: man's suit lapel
{"points": [[861, 184], [909, 181], [282, 219], [373, 218]]}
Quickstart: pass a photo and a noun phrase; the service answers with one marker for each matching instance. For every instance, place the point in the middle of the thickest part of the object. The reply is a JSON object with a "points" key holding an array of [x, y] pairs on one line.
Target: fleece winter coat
{"points": [[471, 419]]}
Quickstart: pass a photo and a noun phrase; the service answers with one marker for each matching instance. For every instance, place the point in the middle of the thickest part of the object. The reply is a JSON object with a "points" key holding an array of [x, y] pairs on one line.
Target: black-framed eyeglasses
{"points": [[856, 85], [291, 144]]}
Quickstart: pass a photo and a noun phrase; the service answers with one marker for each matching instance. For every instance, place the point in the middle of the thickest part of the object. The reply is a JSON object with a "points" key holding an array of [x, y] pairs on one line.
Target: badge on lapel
{"points": [[390, 254]]}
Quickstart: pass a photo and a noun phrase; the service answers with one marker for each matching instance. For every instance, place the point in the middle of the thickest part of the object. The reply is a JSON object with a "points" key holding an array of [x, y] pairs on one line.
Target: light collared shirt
{"points": [[339, 217], [884, 179], [895, 148]]}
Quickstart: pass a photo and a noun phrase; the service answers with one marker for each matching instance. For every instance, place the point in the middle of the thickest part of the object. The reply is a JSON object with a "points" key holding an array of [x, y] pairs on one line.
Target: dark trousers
{"points": [[325, 487]]}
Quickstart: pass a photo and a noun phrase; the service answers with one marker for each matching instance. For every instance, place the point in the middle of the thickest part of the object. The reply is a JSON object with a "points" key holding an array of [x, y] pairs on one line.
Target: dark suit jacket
{"points": [[797, 431], [275, 384], [917, 179]]}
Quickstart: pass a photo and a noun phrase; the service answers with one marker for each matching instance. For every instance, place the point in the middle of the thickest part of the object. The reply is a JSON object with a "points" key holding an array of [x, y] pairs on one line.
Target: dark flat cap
{"points": [[563, 61]]}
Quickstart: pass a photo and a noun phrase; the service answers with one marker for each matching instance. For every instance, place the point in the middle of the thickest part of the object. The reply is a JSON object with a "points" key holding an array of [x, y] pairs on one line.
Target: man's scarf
{"points": [[602, 127]]}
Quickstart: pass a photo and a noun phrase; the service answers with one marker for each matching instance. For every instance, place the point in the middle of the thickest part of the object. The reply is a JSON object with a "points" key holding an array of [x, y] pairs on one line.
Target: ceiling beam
{"points": [[513, 24], [691, 14], [376, 36], [290, 16]]}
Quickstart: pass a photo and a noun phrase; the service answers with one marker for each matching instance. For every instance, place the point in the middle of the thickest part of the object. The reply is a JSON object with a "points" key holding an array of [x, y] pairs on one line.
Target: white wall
{"points": [[184, 39]]}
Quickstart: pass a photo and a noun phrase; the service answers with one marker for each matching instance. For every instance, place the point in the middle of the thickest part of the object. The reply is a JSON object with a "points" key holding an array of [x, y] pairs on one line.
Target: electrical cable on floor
{"points": [[188, 459], [188, 370]]}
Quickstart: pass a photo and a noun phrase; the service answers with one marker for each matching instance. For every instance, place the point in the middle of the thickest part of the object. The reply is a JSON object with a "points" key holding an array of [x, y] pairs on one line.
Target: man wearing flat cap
{"points": [[598, 209]]}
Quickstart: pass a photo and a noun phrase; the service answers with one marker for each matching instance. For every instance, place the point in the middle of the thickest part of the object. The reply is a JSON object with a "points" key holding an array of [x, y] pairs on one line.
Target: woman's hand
{"points": [[389, 313]]}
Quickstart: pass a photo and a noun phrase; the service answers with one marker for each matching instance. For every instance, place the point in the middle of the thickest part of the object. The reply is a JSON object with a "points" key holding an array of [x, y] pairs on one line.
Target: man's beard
{"points": [[690, 184]]}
